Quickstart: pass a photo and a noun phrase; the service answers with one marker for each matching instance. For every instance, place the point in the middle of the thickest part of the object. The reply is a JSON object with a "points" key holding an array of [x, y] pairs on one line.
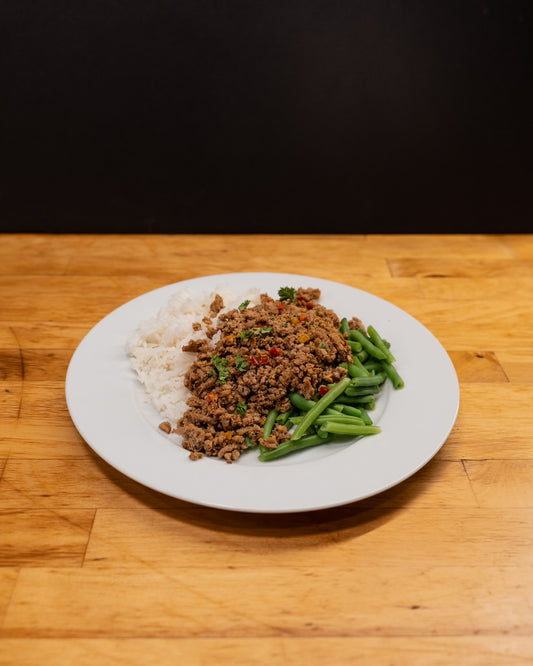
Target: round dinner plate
{"points": [[109, 408]]}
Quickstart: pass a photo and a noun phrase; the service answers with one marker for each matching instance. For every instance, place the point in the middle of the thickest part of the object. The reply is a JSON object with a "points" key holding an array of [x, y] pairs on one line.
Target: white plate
{"points": [[107, 406]]}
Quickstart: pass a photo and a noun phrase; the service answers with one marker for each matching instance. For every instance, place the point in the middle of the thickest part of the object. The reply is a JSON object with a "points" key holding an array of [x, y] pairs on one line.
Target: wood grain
{"points": [[365, 538], [34, 538], [343, 651], [478, 366], [449, 267], [95, 568], [270, 601], [501, 483]]}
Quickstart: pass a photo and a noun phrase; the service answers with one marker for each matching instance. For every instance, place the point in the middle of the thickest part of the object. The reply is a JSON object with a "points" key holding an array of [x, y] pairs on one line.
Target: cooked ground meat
{"points": [[165, 427], [216, 306], [263, 353]]}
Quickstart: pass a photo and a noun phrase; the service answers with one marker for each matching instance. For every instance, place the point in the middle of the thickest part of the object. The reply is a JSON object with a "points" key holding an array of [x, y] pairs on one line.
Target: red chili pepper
{"points": [[259, 360], [322, 390], [275, 351], [280, 306], [211, 397]]}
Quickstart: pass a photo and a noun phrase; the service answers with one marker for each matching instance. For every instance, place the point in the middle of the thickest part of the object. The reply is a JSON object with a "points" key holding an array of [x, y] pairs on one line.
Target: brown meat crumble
{"points": [[263, 353]]}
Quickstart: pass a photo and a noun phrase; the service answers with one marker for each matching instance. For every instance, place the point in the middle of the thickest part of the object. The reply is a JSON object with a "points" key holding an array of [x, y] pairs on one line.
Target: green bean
{"points": [[367, 344], [269, 423], [393, 375], [354, 346], [320, 406], [300, 402], [355, 430], [267, 429], [364, 415], [291, 446], [353, 333], [373, 366], [354, 400], [358, 401], [348, 409], [332, 410], [376, 338], [368, 400], [372, 380], [345, 326], [353, 391], [324, 418], [359, 411], [357, 369], [284, 416]]}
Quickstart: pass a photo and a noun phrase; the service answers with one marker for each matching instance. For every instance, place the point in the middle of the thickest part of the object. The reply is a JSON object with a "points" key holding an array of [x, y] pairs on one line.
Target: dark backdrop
{"points": [[290, 116]]}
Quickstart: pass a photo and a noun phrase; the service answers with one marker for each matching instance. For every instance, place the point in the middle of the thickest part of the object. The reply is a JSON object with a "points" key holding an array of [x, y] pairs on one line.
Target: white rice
{"points": [[156, 352]]}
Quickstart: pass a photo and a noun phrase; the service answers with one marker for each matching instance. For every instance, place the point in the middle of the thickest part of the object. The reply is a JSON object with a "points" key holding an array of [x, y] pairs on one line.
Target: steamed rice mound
{"points": [[156, 352]]}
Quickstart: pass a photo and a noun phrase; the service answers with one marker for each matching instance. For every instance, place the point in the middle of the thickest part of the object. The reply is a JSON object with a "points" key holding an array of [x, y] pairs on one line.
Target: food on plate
{"points": [[155, 348], [271, 374]]}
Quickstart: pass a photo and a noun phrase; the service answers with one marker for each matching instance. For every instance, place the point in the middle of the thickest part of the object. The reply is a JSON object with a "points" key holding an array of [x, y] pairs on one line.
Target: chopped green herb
{"points": [[244, 304], [241, 408], [287, 294], [262, 331], [249, 443], [240, 363], [322, 346], [221, 367], [256, 331]]}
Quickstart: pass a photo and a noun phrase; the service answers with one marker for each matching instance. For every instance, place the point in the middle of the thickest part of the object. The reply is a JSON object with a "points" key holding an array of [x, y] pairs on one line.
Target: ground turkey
{"points": [[258, 355]]}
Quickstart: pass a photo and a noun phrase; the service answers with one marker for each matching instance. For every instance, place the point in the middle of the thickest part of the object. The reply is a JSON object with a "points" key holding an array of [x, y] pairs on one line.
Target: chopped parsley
{"points": [[244, 305], [287, 294], [240, 363], [241, 408], [221, 367], [262, 331], [256, 331]]}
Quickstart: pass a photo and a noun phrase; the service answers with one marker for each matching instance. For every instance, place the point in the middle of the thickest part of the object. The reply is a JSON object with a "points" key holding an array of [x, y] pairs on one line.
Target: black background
{"points": [[319, 116]]}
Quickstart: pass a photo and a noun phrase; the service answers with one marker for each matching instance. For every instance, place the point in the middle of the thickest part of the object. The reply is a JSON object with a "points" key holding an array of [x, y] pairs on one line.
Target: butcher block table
{"points": [[99, 569]]}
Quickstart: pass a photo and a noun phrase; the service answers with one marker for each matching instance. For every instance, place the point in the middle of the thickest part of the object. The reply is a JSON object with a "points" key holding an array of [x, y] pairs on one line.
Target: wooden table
{"points": [[96, 569]]}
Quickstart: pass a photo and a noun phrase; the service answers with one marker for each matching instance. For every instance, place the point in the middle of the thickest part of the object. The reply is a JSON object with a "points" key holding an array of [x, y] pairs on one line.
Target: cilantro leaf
{"points": [[256, 331], [221, 366], [240, 363], [244, 305], [241, 408], [287, 294]]}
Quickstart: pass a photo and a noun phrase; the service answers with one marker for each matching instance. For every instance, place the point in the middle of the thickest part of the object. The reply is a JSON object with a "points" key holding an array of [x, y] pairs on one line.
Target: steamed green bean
{"points": [[320, 406]]}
